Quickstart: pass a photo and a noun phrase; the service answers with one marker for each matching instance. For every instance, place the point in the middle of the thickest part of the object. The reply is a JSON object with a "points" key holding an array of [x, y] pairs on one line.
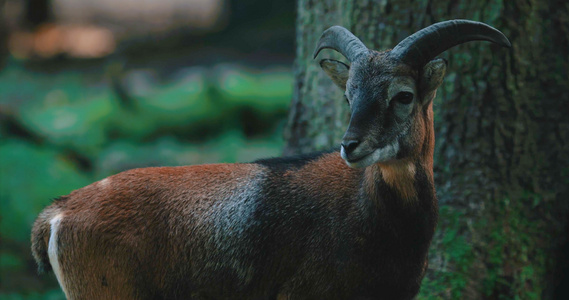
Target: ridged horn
{"points": [[422, 46], [341, 40]]}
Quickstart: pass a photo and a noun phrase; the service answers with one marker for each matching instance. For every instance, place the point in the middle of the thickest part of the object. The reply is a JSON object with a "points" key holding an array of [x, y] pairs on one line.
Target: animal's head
{"points": [[390, 92]]}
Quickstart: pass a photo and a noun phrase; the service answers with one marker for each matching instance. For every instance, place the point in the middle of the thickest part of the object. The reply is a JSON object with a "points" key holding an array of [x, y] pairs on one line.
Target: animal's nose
{"points": [[350, 145]]}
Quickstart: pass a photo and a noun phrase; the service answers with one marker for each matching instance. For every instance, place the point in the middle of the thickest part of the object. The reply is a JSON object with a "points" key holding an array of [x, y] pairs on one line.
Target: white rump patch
{"points": [[52, 251]]}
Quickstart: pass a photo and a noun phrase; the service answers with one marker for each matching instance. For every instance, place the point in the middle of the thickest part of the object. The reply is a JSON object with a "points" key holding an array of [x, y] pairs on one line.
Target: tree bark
{"points": [[502, 135]]}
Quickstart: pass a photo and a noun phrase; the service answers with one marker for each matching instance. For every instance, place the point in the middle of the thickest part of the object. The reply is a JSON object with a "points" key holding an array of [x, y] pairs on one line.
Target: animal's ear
{"points": [[337, 70], [433, 75]]}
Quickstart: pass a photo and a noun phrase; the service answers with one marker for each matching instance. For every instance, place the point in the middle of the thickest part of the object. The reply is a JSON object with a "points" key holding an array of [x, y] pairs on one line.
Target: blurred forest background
{"points": [[92, 88]]}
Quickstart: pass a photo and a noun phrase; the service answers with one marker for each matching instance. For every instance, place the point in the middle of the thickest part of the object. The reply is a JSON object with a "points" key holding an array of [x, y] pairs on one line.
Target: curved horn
{"points": [[341, 40], [422, 46]]}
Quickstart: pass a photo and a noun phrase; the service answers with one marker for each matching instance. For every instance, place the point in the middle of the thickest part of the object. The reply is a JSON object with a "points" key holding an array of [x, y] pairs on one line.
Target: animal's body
{"points": [[354, 224], [238, 243]]}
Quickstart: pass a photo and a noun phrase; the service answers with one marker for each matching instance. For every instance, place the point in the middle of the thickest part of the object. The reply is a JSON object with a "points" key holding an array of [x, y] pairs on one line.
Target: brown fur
{"points": [[110, 225], [400, 175], [328, 177]]}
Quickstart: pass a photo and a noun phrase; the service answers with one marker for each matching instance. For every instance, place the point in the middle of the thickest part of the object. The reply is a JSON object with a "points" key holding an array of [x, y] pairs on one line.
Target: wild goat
{"points": [[353, 224]]}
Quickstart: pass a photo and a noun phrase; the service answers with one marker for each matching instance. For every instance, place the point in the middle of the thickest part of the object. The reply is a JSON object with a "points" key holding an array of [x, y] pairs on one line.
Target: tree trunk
{"points": [[502, 136]]}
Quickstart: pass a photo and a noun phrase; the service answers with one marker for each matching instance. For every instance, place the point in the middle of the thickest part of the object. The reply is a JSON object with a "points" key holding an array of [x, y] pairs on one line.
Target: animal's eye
{"points": [[346, 97], [404, 97]]}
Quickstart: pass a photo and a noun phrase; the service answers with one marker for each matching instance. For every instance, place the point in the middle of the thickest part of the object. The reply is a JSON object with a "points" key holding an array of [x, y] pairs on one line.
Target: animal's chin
{"points": [[378, 155]]}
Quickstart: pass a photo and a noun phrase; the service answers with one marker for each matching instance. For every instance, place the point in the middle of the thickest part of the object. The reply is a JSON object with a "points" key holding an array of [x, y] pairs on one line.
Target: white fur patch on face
{"points": [[52, 251], [378, 155]]}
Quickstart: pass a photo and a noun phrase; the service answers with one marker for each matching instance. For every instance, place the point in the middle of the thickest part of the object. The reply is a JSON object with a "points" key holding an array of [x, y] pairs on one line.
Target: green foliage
{"points": [[32, 175], [457, 258], [10, 262], [71, 128], [78, 124], [201, 100], [54, 294], [516, 258], [231, 146]]}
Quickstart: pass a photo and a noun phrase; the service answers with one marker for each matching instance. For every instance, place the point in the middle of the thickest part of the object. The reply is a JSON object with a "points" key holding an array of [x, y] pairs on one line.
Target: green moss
{"points": [[511, 244]]}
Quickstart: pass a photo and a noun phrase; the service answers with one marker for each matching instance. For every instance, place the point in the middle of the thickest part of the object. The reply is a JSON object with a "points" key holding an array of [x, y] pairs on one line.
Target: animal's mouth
{"points": [[377, 155], [352, 160]]}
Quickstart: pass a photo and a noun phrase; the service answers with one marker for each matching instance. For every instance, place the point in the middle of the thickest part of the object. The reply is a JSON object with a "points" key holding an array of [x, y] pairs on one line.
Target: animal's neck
{"points": [[428, 145], [401, 175]]}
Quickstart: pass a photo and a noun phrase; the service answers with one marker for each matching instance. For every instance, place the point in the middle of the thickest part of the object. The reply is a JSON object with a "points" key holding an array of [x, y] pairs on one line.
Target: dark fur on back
{"points": [[291, 162]]}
